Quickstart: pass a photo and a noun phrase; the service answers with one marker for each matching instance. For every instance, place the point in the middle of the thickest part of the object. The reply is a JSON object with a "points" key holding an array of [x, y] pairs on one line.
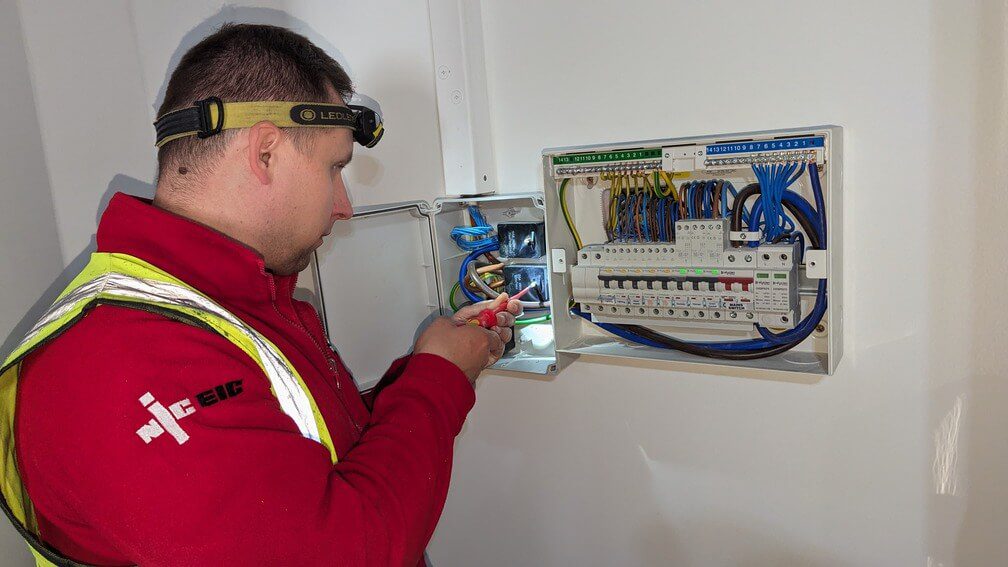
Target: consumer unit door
{"points": [[376, 285]]}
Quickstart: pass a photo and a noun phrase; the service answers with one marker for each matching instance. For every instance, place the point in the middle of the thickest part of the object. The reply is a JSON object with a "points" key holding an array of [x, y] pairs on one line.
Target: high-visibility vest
{"points": [[123, 280]]}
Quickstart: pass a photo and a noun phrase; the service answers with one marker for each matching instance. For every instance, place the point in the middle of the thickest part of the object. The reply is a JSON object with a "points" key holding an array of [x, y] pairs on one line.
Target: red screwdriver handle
{"points": [[488, 317]]}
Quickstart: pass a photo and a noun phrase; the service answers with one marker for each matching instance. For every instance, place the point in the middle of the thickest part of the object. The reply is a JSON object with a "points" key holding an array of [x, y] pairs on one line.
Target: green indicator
{"points": [[682, 270], [780, 276], [715, 272], [763, 276], [626, 155], [698, 270]]}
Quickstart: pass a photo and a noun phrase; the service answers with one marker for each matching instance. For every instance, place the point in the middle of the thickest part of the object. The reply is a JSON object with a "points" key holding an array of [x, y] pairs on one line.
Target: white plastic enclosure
{"points": [[687, 159], [391, 268]]}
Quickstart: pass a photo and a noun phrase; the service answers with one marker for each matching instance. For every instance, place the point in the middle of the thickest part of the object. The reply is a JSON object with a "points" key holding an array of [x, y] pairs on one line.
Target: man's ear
{"points": [[263, 140]]}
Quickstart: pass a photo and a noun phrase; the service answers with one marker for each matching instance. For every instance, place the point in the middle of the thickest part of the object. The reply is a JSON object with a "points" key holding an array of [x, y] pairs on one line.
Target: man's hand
{"points": [[470, 347], [505, 319]]}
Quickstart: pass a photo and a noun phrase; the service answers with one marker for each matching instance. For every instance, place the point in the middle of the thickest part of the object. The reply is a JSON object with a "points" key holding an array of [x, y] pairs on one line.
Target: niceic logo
{"points": [[166, 419]]}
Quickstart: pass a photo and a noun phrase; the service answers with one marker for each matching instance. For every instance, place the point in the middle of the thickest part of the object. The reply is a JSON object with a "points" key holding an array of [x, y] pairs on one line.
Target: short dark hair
{"points": [[240, 63]]}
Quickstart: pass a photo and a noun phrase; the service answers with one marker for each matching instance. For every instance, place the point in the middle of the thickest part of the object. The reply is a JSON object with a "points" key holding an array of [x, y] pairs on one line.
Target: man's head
{"points": [[277, 190]]}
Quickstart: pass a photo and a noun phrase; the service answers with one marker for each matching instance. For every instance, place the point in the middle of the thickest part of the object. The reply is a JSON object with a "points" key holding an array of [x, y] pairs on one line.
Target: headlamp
{"points": [[211, 116]]}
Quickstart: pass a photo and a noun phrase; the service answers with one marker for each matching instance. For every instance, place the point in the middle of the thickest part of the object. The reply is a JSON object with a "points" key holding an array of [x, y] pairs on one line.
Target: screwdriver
{"points": [[488, 317]]}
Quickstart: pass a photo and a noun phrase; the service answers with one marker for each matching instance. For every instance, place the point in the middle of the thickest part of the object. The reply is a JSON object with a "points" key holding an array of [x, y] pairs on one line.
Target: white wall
{"points": [[30, 254], [606, 465]]}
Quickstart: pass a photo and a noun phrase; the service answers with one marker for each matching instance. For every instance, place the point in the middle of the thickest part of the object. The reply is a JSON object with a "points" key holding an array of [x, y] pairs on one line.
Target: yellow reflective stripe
{"points": [[12, 488], [126, 278], [39, 560]]}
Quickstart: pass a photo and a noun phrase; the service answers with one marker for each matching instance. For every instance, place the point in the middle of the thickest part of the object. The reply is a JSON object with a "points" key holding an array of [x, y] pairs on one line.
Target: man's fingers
{"points": [[499, 300], [496, 346], [471, 311], [515, 307], [505, 333], [505, 319]]}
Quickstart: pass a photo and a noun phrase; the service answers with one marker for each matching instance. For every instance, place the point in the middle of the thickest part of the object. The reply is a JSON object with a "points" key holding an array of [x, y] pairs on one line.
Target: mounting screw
{"points": [[443, 72], [731, 257], [820, 328], [456, 96]]}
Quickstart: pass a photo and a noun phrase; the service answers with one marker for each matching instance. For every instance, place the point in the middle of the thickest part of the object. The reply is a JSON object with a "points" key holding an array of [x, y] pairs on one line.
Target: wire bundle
{"points": [[773, 180], [640, 208], [479, 235], [480, 283]]}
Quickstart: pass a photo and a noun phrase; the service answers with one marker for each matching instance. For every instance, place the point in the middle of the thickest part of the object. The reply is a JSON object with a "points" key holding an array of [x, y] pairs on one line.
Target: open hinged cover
{"points": [[392, 267]]}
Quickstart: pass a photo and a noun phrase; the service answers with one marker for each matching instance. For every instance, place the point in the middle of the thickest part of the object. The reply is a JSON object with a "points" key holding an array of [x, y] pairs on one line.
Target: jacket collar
{"points": [[219, 266]]}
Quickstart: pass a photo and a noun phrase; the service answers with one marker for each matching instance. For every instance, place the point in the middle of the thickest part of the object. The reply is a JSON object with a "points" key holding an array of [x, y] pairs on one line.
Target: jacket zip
{"points": [[338, 391]]}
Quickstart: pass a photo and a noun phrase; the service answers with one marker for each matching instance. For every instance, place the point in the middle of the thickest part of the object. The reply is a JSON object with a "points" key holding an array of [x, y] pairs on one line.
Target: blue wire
{"points": [[795, 199], [799, 237], [820, 201], [690, 209], [465, 266], [645, 235], [482, 228]]}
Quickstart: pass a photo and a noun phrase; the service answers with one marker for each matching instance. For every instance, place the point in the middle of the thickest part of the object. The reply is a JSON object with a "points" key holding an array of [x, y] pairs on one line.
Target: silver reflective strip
{"points": [[65, 305], [292, 397]]}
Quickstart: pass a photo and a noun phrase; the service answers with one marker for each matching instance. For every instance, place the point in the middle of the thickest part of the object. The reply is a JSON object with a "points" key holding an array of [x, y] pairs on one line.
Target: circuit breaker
{"points": [[717, 250]]}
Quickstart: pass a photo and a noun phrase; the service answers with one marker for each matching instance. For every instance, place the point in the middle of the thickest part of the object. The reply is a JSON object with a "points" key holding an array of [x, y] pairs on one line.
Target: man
{"points": [[178, 407]]}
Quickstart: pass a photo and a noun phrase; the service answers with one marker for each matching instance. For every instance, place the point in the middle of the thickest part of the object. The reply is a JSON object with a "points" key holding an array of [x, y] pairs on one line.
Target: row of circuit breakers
{"points": [[700, 279]]}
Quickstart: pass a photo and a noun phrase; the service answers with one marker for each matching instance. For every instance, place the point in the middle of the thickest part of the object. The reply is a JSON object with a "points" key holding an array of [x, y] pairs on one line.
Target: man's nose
{"points": [[342, 209]]}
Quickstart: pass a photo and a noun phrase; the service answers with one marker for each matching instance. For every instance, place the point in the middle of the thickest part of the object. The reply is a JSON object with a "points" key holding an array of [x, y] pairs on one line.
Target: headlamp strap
{"points": [[211, 116]]}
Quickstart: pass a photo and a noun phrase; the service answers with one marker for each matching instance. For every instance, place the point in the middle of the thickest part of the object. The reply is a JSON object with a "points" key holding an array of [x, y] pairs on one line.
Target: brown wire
{"points": [[716, 205]]}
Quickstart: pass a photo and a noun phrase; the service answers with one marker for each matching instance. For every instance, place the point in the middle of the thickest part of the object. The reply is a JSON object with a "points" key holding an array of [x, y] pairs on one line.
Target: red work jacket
{"points": [[245, 488]]}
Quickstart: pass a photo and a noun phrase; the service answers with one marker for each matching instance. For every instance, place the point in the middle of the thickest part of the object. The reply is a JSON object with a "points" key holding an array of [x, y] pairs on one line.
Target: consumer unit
{"points": [[712, 249]]}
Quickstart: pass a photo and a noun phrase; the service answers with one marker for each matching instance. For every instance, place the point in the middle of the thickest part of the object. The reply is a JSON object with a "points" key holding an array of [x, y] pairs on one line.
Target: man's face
{"points": [[309, 197]]}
